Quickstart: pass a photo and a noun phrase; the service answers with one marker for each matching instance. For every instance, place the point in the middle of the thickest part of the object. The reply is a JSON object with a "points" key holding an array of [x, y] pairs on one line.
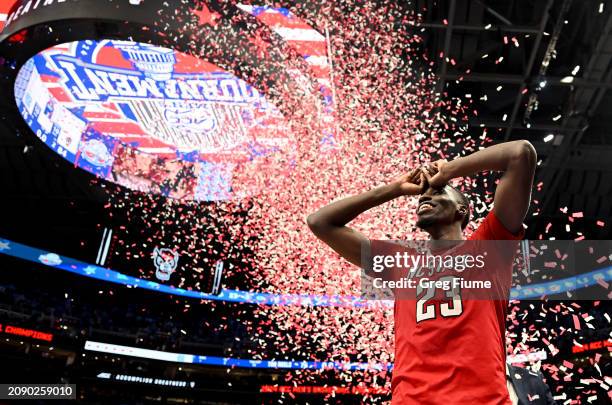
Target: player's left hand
{"points": [[436, 173]]}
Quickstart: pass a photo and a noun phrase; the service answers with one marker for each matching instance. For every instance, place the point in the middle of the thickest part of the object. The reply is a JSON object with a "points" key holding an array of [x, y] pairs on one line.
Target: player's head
{"points": [[442, 206]]}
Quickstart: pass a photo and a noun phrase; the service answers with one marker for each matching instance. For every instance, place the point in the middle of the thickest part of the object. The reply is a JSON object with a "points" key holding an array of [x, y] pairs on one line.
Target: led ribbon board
{"points": [[162, 112], [53, 260], [132, 351]]}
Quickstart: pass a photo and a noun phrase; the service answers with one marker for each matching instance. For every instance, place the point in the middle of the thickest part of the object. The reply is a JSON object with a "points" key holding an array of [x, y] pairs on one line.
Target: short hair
{"points": [[465, 201]]}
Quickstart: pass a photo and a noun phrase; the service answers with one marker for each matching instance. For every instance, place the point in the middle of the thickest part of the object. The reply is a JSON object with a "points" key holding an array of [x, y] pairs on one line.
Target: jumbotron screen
{"points": [[153, 119]]}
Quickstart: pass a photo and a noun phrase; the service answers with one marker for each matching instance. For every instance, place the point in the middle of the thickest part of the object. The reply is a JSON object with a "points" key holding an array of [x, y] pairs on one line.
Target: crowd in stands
{"points": [[101, 317]]}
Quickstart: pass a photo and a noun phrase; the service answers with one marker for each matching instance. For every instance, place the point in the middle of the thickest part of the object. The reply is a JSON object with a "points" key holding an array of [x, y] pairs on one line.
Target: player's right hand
{"points": [[436, 173], [413, 183]]}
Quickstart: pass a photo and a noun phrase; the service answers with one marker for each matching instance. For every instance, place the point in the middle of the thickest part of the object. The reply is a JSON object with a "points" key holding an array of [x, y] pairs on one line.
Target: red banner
{"points": [[596, 345], [323, 390], [30, 333]]}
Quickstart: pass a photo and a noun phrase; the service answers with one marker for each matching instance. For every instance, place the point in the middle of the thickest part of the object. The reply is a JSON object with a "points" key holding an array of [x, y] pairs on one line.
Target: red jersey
{"points": [[454, 358]]}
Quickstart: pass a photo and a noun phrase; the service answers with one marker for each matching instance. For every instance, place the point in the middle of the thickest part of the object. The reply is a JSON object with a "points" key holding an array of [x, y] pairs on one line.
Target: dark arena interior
{"points": [[161, 161]]}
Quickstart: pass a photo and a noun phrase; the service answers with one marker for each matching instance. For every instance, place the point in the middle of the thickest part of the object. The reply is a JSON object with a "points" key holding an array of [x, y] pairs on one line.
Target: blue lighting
{"points": [[54, 260]]}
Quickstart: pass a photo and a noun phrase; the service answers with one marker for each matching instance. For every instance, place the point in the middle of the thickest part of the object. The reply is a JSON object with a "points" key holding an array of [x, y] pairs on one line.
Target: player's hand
{"points": [[412, 183], [436, 174]]}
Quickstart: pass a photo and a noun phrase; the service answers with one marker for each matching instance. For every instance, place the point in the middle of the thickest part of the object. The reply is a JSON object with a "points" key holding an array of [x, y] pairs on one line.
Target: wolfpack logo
{"points": [[165, 261]]}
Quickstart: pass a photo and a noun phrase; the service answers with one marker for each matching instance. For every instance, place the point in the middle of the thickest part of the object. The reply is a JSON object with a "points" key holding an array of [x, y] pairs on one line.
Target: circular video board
{"points": [[150, 118], [168, 98]]}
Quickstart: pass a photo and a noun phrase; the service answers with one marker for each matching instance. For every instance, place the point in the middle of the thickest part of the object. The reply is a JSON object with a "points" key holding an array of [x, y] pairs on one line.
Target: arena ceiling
{"points": [[521, 55], [514, 59]]}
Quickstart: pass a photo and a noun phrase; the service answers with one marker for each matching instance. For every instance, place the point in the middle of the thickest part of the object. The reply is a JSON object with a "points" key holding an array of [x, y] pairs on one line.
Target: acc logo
{"points": [[194, 117], [165, 261], [95, 152], [50, 259]]}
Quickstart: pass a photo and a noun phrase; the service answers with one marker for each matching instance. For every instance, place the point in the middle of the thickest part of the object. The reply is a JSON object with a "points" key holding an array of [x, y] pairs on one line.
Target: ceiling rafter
{"points": [[529, 68], [586, 103]]}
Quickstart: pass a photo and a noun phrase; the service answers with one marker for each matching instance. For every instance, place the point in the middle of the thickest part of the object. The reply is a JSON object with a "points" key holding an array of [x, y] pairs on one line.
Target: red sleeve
{"points": [[492, 229], [504, 252]]}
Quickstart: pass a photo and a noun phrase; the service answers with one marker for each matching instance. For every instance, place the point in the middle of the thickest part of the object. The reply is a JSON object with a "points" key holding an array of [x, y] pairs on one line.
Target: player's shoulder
{"points": [[396, 244], [491, 228]]}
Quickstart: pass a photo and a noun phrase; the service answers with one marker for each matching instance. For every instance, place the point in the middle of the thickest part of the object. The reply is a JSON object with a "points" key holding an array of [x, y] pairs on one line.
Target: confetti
{"points": [[386, 120], [576, 322]]}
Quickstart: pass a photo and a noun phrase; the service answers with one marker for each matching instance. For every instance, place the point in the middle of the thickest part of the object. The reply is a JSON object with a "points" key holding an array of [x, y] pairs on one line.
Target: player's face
{"points": [[436, 206]]}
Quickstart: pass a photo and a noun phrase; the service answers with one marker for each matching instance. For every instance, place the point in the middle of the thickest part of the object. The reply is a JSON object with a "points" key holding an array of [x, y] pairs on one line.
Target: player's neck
{"points": [[450, 232]]}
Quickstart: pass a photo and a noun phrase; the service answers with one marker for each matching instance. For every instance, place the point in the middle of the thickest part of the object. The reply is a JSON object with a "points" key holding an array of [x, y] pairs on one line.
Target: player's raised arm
{"points": [[329, 222], [517, 159]]}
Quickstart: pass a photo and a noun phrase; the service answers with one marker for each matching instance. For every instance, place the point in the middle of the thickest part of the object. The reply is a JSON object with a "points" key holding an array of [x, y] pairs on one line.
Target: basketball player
{"points": [[458, 359]]}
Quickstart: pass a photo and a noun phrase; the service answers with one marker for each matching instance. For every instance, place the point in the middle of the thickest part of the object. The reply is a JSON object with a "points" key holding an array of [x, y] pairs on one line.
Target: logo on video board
{"points": [[165, 261]]}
